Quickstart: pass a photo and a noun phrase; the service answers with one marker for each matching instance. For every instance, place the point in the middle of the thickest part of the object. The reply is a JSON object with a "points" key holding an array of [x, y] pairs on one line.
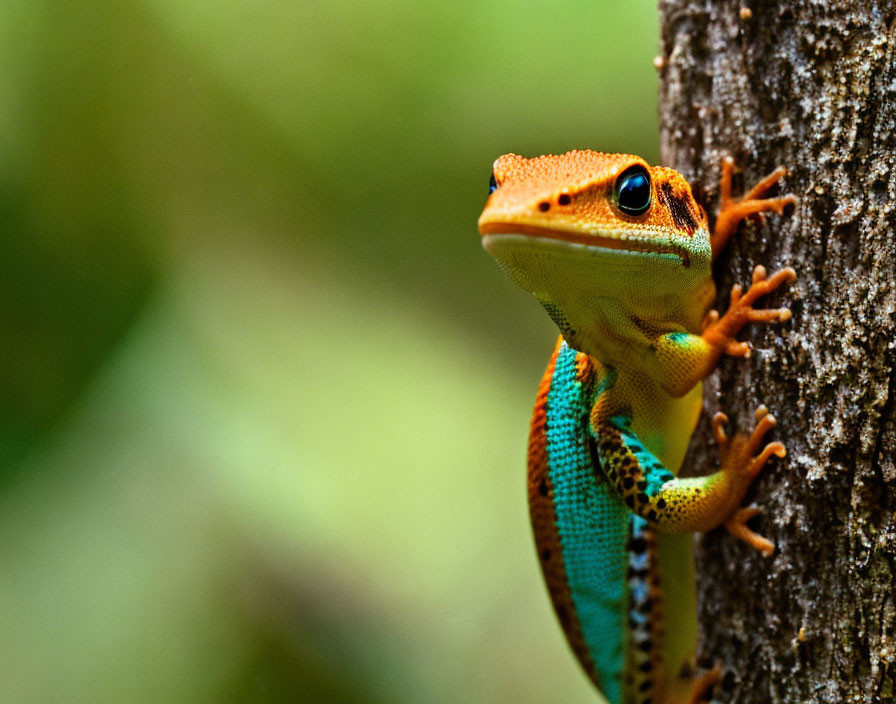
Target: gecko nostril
{"points": [[544, 206], [564, 199]]}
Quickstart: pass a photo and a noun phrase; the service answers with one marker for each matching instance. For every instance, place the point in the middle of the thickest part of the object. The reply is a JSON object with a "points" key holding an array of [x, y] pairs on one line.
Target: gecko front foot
{"points": [[741, 456], [753, 203], [720, 331]]}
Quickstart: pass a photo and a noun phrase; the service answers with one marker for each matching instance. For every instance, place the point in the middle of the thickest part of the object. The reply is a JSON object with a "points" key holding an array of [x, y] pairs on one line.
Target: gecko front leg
{"points": [[681, 505], [686, 358]]}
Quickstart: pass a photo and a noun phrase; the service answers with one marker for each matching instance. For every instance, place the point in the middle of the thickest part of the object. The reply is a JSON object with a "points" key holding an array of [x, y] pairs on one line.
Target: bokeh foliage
{"points": [[265, 397]]}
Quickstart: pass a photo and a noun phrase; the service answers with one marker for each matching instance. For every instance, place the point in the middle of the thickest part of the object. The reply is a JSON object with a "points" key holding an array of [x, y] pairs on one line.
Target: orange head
{"points": [[615, 201], [588, 233]]}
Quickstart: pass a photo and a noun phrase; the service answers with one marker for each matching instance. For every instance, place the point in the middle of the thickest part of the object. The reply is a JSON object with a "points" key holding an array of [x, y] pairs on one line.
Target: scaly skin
{"points": [[630, 287]]}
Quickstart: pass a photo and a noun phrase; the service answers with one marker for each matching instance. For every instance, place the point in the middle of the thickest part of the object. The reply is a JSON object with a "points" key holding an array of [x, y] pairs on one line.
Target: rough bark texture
{"points": [[811, 85]]}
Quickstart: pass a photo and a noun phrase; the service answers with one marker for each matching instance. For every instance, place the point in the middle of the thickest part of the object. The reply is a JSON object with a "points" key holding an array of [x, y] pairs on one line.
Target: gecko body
{"points": [[619, 254]]}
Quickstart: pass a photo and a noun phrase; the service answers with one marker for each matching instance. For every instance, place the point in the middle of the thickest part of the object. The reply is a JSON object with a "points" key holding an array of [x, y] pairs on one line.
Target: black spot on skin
{"points": [[544, 206], [646, 666], [564, 199], [642, 498], [628, 482], [649, 700], [642, 485], [642, 573], [645, 645], [630, 501], [680, 210], [651, 515], [546, 555], [661, 503], [645, 606], [543, 488], [646, 686], [637, 545]]}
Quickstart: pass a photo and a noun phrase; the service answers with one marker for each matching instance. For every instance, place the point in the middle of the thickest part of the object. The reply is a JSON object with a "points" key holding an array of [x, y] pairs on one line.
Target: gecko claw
{"points": [[718, 429], [765, 185], [720, 331], [765, 421], [751, 205], [710, 318], [759, 273], [788, 273], [743, 456], [737, 526], [739, 349]]}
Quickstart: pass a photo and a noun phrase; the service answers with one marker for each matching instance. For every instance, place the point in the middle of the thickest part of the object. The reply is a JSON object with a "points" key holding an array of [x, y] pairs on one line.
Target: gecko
{"points": [[619, 254]]}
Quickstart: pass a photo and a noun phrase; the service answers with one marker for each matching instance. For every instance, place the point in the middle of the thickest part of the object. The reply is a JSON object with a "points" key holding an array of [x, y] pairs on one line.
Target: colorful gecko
{"points": [[619, 254]]}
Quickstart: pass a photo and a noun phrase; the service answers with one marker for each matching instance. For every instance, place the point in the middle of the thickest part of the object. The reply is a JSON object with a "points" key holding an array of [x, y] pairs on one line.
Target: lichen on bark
{"points": [[811, 85]]}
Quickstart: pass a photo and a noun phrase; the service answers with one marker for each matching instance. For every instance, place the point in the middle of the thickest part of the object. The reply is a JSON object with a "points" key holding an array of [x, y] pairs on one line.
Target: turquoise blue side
{"points": [[593, 526]]}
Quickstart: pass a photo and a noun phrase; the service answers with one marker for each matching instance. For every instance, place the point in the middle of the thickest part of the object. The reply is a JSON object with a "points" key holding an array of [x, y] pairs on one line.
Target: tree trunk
{"points": [[811, 85]]}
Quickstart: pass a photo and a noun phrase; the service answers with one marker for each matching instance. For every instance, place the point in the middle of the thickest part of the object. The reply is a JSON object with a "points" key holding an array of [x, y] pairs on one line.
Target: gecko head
{"points": [[614, 201], [585, 224]]}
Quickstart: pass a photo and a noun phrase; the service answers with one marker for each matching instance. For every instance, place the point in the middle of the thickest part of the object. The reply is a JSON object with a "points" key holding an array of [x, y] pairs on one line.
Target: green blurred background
{"points": [[266, 398]]}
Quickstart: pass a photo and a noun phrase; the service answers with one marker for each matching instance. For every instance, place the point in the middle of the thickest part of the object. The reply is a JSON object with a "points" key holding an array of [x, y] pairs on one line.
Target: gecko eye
{"points": [[492, 184], [633, 191]]}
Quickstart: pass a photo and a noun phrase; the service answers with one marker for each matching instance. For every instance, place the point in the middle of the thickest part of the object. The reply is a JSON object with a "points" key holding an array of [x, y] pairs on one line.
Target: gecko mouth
{"points": [[622, 242]]}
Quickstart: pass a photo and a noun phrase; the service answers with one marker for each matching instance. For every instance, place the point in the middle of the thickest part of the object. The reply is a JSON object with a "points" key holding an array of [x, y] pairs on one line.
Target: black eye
{"points": [[633, 191], [492, 184]]}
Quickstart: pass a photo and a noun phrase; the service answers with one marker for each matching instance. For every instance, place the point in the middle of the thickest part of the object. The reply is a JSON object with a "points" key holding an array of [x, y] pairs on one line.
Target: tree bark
{"points": [[811, 85]]}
